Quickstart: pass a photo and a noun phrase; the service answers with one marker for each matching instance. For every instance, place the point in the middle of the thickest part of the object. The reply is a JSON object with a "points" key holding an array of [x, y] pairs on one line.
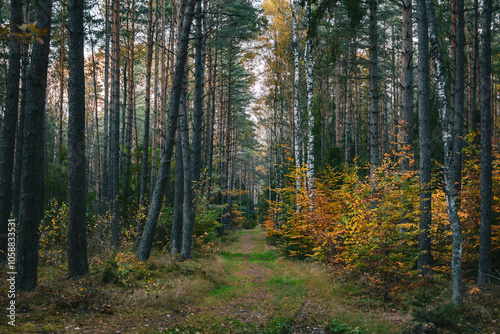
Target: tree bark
{"points": [[176, 231], [200, 54], [424, 241], [407, 85], [61, 87], [32, 183], [296, 111], [374, 144], [450, 157], [114, 126], [459, 98], [20, 128], [145, 138], [484, 276], [130, 108], [474, 70], [310, 114], [144, 249], [8, 134], [78, 265], [189, 205], [105, 158]]}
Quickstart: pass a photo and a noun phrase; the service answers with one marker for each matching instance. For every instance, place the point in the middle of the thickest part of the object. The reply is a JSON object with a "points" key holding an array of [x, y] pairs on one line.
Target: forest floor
{"points": [[243, 286]]}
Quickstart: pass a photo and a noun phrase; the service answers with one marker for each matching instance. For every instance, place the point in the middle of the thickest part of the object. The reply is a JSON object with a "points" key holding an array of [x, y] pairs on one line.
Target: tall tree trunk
{"points": [[163, 80], [424, 241], [20, 128], [114, 126], [8, 134], [145, 138], [348, 101], [449, 157], [144, 249], [459, 98], [189, 205], [154, 141], [338, 134], [130, 109], [105, 158], [475, 60], [228, 158], [211, 124], [97, 183], [484, 276], [78, 265], [61, 87], [32, 183], [310, 114], [374, 144], [198, 92], [296, 111], [407, 85], [176, 231]]}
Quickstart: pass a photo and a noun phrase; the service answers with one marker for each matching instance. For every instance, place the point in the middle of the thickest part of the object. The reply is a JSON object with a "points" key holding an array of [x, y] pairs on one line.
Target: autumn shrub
{"points": [[365, 227], [469, 200], [54, 232]]}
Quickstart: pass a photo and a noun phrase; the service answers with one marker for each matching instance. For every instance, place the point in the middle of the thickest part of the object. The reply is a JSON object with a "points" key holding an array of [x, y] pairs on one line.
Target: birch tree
{"points": [[450, 156]]}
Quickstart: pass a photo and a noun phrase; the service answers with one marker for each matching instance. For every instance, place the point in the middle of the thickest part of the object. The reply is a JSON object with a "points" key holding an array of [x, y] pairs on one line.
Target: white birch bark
{"points": [[309, 86], [296, 112], [449, 157]]}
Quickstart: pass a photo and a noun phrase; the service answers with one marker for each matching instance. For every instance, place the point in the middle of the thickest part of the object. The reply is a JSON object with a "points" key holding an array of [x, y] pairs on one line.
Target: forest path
{"points": [[248, 287], [265, 294]]}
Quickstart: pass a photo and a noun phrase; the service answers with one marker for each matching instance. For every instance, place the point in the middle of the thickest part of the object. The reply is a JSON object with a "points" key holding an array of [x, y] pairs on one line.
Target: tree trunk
{"points": [[154, 141], [78, 265], [407, 85], [114, 126], [374, 144], [8, 133], [105, 158], [32, 183], [338, 134], [176, 231], [145, 139], [459, 98], [144, 249], [484, 276], [475, 60], [20, 132], [296, 112], [61, 88], [130, 109], [449, 158], [189, 205], [198, 92], [424, 241], [309, 85]]}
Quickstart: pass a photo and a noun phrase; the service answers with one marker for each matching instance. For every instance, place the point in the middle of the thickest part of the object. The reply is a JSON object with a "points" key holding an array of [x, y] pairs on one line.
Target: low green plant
{"points": [[337, 326]]}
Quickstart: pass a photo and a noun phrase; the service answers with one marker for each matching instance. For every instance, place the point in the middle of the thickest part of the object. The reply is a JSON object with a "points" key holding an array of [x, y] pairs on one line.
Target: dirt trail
{"points": [[263, 295], [260, 292]]}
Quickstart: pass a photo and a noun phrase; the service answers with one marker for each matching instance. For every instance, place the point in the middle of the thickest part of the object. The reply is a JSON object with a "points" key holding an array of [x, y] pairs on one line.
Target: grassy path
{"points": [[266, 293], [246, 288]]}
